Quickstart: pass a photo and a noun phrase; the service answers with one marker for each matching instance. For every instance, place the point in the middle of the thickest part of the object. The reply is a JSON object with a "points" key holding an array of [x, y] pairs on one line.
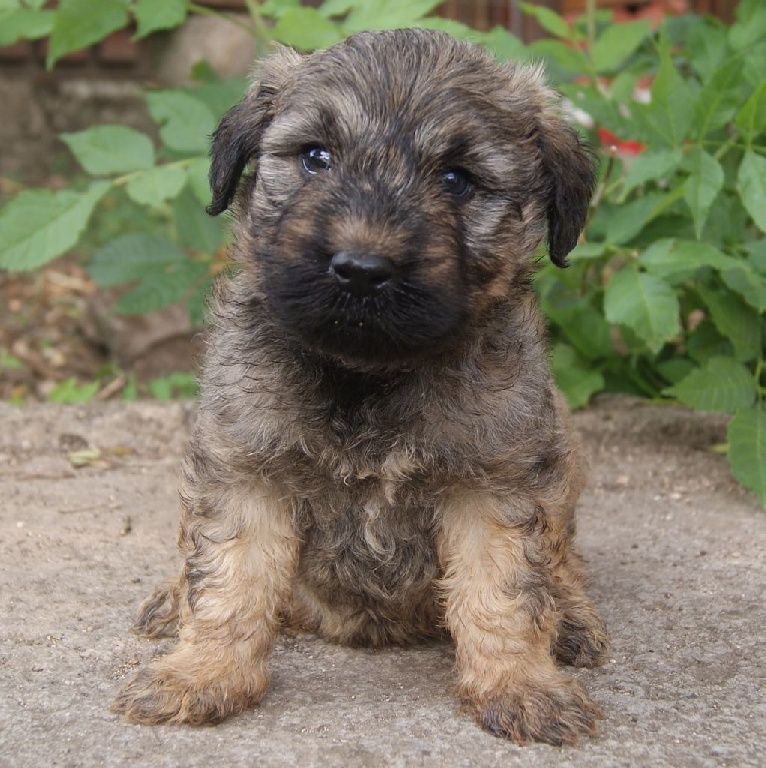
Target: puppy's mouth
{"points": [[363, 309]]}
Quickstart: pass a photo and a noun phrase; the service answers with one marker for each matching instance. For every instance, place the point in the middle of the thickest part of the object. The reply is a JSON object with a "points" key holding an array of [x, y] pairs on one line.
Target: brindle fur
{"points": [[386, 468]]}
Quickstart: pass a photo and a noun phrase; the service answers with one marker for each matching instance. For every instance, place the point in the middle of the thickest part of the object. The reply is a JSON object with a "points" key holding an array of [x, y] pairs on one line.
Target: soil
{"points": [[41, 327], [56, 325]]}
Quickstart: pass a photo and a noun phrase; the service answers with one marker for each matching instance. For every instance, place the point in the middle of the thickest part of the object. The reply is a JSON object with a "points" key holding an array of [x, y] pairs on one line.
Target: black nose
{"points": [[361, 274]]}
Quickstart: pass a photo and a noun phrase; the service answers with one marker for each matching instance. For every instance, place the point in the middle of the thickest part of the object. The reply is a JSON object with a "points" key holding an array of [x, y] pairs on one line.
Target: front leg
{"points": [[241, 553], [502, 615]]}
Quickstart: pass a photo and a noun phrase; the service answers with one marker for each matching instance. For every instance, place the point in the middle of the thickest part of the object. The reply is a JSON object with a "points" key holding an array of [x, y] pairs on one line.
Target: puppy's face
{"points": [[399, 184]]}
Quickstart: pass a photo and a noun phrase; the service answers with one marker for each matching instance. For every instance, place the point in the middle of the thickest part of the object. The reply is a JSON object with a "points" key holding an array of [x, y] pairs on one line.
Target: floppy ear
{"points": [[237, 140], [571, 170]]}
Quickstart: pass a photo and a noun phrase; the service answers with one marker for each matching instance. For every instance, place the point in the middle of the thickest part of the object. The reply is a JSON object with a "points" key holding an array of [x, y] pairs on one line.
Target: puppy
{"points": [[381, 455]]}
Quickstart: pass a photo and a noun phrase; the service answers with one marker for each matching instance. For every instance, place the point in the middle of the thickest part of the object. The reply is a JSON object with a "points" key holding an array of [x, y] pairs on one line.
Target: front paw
{"points": [[168, 692], [158, 614], [558, 713], [582, 639]]}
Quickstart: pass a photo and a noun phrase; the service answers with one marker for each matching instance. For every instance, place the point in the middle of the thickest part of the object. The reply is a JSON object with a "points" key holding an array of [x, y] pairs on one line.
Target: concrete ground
{"points": [[677, 554]]}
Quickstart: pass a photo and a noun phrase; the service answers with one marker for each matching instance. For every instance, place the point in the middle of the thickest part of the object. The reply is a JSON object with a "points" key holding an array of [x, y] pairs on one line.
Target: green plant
{"points": [[70, 391], [665, 296]]}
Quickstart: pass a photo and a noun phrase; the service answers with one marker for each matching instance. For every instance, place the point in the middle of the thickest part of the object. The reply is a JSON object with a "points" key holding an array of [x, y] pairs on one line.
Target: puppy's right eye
{"points": [[315, 159], [457, 182]]}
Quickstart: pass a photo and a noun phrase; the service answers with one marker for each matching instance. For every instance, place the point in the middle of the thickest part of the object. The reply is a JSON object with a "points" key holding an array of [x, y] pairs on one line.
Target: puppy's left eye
{"points": [[315, 159], [457, 182]]}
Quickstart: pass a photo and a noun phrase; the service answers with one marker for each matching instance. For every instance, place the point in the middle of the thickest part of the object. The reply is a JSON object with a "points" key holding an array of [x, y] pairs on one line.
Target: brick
{"points": [[18, 53], [119, 49]]}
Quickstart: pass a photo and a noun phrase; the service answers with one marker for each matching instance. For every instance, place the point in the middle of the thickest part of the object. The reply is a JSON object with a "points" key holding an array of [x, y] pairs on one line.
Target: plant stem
{"points": [[260, 30], [127, 177], [732, 143], [724, 148], [590, 15]]}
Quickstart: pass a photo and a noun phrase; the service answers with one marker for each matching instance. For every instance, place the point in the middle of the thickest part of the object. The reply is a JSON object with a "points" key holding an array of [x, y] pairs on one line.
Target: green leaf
{"points": [[571, 60], [71, 392], [623, 85], [155, 186], [616, 43], [197, 301], [629, 219], [676, 259], [652, 165], [743, 279], [198, 172], [450, 26], [152, 15], [195, 229], [549, 20], [719, 99], [387, 14], [751, 181], [9, 362], [605, 109], [587, 251], [110, 149], [80, 23], [747, 449], [329, 8], [750, 26], [218, 94], [306, 29], [721, 384], [586, 329], [751, 119], [187, 123], [667, 118], [132, 257], [707, 47], [675, 369], [504, 44], [163, 272], [175, 385], [754, 69], [273, 9], [24, 24], [748, 11], [577, 383], [702, 186], [37, 225], [757, 254], [34, 4], [162, 288], [705, 342], [738, 322], [644, 303]]}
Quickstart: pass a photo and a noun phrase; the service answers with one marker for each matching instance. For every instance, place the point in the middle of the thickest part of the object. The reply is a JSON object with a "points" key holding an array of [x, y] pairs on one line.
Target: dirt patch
{"points": [[57, 326]]}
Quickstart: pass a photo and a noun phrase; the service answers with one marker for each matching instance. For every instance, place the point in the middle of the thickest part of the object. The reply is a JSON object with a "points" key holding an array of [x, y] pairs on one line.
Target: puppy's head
{"points": [[390, 189]]}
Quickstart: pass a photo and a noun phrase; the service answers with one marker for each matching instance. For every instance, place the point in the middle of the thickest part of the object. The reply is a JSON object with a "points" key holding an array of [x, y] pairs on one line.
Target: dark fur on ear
{"points": [[571, 170], [237, 140]]}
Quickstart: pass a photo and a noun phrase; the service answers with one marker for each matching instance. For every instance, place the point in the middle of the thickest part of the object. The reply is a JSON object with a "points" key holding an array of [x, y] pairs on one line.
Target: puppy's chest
{"points": [[370, 535]]}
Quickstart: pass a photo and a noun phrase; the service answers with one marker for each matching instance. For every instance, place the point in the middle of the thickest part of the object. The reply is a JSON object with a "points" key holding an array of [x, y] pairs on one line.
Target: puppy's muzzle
{"points": [[361, 275]]}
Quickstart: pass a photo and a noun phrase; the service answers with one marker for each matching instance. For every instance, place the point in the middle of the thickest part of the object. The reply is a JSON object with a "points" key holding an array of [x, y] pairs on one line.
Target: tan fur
{"points": [[392, 463]]}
